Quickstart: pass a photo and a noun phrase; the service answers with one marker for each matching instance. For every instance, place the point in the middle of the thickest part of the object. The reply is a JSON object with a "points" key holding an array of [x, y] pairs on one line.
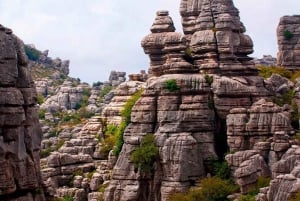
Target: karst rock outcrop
{"points": [[20, 133], [197, 81], [288, 36]]}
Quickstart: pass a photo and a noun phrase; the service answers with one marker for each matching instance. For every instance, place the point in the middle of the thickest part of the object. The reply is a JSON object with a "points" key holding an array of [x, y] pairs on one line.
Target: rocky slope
{"points": [[20, 132]]}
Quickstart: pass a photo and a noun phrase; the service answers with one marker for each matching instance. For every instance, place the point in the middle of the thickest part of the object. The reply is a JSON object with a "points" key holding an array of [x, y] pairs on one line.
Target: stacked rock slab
{"points": [[166, 47], [218, 40], [288, 36], [112, 111], [286, 180], [20, 133], [186, 118], [259, 138]]}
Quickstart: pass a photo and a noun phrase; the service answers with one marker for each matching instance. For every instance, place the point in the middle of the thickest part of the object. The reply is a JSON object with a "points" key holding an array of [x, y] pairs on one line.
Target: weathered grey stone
{"points": [[20, 133], [288, 34]]}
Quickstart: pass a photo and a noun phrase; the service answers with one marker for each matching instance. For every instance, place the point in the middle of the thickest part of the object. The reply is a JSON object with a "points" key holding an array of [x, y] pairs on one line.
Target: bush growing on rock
{"points": [[288, 35], [171, 85], [211, 189], [220, 169], [260, 183], [267, 71], [126, 115], [32, 53], [145, 155]]}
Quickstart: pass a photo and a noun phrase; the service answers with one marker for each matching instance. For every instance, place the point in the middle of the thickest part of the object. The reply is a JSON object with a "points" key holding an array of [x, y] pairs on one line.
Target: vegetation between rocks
{"points": [[106, 89], [267, 71], [114, 134], [32, 53], [171, 85], [46, 152], [261, 183], [211, 189], [288, 35], [295, 197], [145, 155]]}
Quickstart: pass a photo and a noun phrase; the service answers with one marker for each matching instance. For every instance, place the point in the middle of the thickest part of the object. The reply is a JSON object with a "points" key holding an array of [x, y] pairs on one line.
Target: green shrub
{"points": [[84, 113], [145, 155], [68, 198], [32, 53], [97, 84], [73, 118], [288, 35], [171, 85], [119, 138], [114, 134], [211, 189], [188, 55], [78, 172], [111, 129], [260, 183], [106, 89], [285, 98], [247, 197], [126, 112], [40, 99], [295, 197], [218, 168], [209, 79], [267, 71], [45, 152], [108, 144], [42, 113]]}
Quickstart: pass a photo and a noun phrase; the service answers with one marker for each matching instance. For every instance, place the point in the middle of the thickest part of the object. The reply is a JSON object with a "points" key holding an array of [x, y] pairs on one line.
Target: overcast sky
{"points": [[103, 35]]}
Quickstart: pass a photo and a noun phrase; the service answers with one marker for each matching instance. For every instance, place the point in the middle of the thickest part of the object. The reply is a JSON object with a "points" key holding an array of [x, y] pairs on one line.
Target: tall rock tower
{"points": [[20, 133], [288, 36], [196, 79]]}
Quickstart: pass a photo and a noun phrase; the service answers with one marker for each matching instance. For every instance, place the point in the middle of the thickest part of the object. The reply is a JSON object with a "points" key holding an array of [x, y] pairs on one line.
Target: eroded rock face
{"points": [[179, 129], [186, 119], [112, 112], [260, 122], [286, 177], [20, 133], [288, 36], [212, 79]]}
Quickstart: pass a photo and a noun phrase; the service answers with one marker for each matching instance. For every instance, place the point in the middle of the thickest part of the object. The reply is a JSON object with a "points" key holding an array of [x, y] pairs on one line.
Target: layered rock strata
{"points": [[178, 130], [286, 180], [218, 41], [185, 110], [288, 36], [112, 112], [20, 133]]}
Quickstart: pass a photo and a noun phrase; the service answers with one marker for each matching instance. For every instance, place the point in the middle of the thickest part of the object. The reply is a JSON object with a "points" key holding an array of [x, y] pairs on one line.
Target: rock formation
{"points": [[20, 133], [76, 165], [288, 36], [112, 111], [266, 60], [196, 80]]}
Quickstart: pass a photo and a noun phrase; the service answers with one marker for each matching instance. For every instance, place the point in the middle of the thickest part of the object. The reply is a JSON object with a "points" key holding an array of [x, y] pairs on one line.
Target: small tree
{"points": [[145, 155], [288, 35], [171, 85]]}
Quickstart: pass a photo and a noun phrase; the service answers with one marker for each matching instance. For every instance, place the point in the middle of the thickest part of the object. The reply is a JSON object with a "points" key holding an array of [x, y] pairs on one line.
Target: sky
{"points": [[98, 36]]}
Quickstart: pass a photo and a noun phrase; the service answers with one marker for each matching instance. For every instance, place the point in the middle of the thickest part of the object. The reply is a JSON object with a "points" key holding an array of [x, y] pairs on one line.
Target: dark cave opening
{"points": [[220, 135]]}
